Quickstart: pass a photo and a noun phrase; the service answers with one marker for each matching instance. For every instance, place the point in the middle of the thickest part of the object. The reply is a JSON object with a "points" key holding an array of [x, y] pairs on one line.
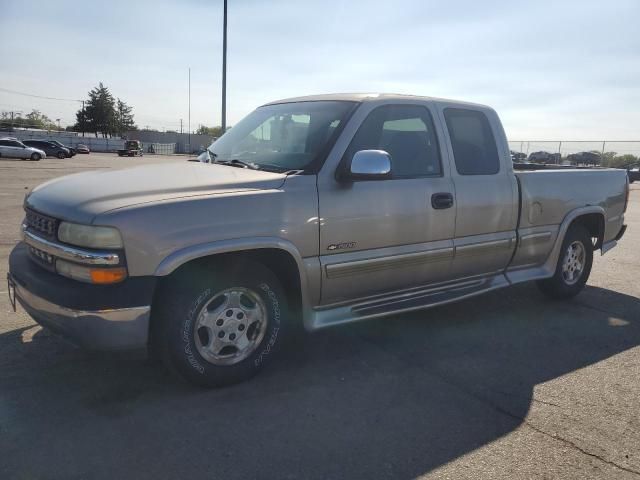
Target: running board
{"points": [[404, 301]]}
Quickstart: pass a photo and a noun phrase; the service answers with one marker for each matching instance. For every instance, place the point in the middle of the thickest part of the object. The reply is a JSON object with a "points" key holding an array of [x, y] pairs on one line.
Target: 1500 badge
{"points": [[341, 246]]}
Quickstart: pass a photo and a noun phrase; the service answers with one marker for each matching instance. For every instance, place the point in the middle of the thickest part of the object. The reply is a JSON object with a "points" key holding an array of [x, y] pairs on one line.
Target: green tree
{"points": [[623, 161], [99, 116], [34, 119], [613, 160], [213, 131], [124, 118]]}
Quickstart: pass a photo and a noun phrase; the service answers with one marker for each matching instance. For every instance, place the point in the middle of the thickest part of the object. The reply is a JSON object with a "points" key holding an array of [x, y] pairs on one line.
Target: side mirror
{"points": [[370, 165], [204, 157]]}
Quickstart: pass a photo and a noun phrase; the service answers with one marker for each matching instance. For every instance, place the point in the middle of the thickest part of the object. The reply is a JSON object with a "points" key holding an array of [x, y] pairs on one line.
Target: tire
{"points": [[35, 157], [574, 265], [245, 326], [61, 155]]}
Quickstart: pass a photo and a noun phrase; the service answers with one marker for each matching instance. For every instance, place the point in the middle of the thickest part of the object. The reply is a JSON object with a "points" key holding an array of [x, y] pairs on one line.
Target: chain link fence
{"points": [[160, 148], [612, 153]]}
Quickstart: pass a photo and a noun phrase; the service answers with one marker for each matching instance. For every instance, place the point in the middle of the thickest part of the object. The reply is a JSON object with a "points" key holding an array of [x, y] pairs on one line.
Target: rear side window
{"points": [[407, 133], [474, 146]]}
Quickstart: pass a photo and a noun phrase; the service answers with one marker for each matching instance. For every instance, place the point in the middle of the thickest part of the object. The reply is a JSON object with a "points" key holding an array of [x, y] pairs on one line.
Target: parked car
{"points": [[49, 148], [72, 151], [131, 148], [82, 148], [409, 203], [12, 148], [585, 158], [544, 157], [518, 156], [633, 172]]}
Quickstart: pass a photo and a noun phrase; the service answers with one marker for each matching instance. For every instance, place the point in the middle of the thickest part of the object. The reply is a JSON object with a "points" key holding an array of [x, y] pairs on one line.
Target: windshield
{"points": [[287, 136]]}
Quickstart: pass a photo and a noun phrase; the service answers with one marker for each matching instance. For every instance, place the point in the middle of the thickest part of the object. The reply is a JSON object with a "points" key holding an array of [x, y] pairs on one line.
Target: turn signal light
{"points": [[82, 273], [108, 275]]}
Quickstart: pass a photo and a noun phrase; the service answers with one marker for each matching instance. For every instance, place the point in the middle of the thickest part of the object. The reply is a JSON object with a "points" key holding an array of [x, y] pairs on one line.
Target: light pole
{"points": [[224, 69], [189, 119], [82, 118]]}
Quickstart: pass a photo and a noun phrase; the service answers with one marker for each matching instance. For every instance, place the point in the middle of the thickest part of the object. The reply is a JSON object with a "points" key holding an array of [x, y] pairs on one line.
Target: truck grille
{"points": [[42, 258], [42, 224]]}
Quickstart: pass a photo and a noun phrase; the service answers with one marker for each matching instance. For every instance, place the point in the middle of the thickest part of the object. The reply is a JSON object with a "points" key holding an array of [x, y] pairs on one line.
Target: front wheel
{"points": [[218, 326], [35, 157], [573, 267], [61, 155]]}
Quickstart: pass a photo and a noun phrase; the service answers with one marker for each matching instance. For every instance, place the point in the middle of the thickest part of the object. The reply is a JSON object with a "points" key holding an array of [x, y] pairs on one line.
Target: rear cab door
{"points": [[486, 189]]}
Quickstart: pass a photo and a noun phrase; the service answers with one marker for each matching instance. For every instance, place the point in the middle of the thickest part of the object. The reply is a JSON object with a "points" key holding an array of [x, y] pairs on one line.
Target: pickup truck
{"points": [[312, 211], [132, 148]]}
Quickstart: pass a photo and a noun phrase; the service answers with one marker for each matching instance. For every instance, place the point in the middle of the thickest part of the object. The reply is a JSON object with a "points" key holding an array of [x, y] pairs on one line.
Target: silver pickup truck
{"points": [[315, 211]]}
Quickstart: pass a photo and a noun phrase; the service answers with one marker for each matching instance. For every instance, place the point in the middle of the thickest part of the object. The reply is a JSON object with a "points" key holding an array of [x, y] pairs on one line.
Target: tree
{"points": [[34, 119], [124, 118], [99, 115], [103, 114], [212, 131], [613, 160]]}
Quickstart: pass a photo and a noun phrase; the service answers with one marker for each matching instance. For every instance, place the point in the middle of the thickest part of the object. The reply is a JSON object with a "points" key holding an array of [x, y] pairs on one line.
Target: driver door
{"points": [[383, 235]]}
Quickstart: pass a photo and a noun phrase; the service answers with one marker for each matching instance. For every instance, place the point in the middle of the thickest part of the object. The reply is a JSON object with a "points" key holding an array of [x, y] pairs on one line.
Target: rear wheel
{"points": [[219, 326], [573, 267], [35, 157]]}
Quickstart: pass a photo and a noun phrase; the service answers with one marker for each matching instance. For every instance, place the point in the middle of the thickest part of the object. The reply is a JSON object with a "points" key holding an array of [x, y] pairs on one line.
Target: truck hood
{"points": [[80, 197]]}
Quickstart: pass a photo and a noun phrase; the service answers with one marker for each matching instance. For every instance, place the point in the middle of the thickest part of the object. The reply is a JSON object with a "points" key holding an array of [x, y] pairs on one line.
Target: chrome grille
{"points": [[39, 223], [41, 256]]}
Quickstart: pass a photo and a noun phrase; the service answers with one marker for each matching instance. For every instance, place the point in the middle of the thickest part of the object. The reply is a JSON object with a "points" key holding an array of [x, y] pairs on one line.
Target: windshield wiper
{"points": [[238, 163]]}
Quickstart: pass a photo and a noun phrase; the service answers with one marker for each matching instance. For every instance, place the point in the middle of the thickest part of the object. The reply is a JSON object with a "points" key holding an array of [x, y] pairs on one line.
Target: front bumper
{"points": [[113, 317]]}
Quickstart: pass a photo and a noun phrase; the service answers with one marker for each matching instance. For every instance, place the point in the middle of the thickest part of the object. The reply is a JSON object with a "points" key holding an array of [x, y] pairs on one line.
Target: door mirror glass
{"points": [[370, 165]]}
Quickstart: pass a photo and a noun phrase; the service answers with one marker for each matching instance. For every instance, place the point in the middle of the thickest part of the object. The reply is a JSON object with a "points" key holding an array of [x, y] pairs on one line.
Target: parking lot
{"points": [[506, 385]]}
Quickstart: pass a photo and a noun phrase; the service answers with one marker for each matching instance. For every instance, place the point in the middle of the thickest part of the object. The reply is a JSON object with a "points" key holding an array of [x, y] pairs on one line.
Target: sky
{"points": [[553, 70]]}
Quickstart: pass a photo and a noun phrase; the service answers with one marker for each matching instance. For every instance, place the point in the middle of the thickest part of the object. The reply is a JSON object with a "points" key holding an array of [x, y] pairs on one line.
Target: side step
{"points": [[404, 301]]}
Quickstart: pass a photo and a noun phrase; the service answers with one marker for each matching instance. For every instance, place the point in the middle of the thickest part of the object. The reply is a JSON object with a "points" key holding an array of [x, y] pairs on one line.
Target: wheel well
{"points": [[280, 262], [594, 223]]}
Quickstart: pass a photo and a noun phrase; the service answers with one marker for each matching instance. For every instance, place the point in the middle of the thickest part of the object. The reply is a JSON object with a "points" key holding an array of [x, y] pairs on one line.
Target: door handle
{"points": [[440, 201]]}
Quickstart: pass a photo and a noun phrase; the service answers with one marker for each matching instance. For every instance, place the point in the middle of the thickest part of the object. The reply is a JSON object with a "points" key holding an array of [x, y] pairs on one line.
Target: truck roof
{"points": [[369, 97]]}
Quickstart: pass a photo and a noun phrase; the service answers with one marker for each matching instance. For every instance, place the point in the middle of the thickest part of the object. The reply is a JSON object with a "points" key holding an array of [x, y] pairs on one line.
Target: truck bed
{"points": [[548, 194]]}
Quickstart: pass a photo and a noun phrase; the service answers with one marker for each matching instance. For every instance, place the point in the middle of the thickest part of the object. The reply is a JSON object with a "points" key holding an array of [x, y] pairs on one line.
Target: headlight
{"points": [[89, 236]]}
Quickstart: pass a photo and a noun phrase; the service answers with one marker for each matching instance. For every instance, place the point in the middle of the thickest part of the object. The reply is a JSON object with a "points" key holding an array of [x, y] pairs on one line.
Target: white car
{"points": [[12, 148]]}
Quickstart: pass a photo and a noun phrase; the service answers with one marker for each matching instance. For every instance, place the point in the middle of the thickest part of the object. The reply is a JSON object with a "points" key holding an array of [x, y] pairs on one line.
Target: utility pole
{"points": [[180, 126], [17, 115], [58, 120], [189, 119], [224, 69], [83, 118]]}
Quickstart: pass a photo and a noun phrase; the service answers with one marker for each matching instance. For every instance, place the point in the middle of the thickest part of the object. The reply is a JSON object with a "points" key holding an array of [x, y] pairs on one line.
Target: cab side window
{"points": [[473, 143], [407, 134]]}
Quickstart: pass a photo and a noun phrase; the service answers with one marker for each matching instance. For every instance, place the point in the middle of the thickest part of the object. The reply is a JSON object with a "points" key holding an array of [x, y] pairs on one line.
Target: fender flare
{"points": [[180, 257], [552, 260]]}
